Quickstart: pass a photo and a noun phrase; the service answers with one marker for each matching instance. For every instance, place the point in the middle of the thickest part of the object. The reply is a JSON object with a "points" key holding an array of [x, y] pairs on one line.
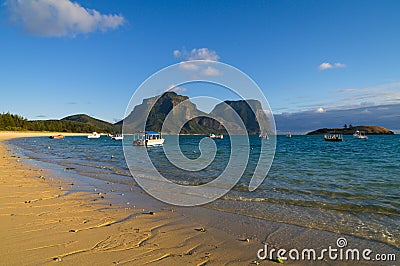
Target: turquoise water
{"points": [[350, 187]]}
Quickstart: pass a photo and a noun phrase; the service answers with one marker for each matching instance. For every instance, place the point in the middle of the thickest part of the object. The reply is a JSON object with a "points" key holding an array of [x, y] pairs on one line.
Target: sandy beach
{"points": [[44, 223], [215, 133]]}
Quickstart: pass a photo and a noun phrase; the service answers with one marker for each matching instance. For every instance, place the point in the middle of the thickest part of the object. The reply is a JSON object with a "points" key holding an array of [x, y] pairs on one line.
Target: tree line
{"points": [[13, 122]]}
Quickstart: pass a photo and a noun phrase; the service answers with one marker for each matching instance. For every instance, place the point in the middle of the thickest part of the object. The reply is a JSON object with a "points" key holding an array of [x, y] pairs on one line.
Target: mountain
{"points": [[183, 113], [370, 130], [170, 113], [160, 108], [229, 110], [100, 125], [77, 123], [179, 115]]}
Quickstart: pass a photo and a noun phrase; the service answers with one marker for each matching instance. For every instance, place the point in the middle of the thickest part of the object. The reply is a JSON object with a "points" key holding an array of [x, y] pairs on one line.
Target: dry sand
{"points": [[42, 223]]}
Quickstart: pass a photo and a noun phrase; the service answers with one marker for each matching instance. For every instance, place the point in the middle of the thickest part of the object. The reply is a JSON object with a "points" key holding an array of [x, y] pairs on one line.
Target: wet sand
{"points": [[42, 223]]}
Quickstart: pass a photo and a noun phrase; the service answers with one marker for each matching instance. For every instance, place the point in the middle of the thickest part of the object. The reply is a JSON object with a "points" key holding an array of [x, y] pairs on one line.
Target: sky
{"points": [[62, 57]]}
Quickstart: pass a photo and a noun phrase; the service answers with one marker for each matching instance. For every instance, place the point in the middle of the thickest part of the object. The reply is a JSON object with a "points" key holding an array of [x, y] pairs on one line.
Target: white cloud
{"points": [[59, 17], [324, 66], [388, 93], [327, 65], [366, 111], [394, 85], [177, 53], [188, 66], [383, 94], [339, 65], [197, 54], [210, 71], [198, 69]]}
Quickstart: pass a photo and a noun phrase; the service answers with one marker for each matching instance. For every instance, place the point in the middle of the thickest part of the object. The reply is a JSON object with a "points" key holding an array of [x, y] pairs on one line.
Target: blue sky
{"points": [[61, 57]]}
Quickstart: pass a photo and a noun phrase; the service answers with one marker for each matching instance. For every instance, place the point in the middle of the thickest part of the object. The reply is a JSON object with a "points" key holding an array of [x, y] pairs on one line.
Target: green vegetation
{"points": [[101, 126], [13, 122], [202, 123], [369, 130], [75, 124]]}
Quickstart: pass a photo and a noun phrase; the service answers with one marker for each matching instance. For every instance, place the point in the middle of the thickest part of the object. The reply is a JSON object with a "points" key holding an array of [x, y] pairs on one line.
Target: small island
{"points": [[350, 130]]}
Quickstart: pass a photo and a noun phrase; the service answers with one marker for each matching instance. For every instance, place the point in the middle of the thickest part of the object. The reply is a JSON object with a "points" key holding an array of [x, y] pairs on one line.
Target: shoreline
{"points": [[132, 235], [43, 223]]}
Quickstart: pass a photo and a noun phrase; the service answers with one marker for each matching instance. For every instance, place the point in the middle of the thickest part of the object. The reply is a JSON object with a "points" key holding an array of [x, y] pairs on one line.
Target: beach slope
{"points": [[41, 223]]}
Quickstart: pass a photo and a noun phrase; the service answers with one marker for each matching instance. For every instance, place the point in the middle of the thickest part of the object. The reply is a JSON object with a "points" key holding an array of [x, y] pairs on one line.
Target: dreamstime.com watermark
{"points": [[340, 252]]}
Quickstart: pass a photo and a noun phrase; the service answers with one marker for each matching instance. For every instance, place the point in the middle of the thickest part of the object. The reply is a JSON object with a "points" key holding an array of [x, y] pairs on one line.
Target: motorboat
{"points": [[57, 137], [117, 137], [213, 136], [148, 139], [94, 135], [359, 135], [263, 136], [333, 137], [289, 135]]}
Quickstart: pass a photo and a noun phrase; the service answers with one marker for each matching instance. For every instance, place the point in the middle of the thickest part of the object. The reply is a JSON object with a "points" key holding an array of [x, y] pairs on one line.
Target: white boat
{"points": [[263, 136], [148, 139], [117, 137], [213, 136], [94, 135], [333, 137], [289, 135], [359, 135]]}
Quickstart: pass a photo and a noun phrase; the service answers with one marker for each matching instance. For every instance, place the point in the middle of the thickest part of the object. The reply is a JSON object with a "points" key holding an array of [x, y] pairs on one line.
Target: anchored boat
{"points": [[359, 135], [333, 137], [213, 136], [148, 139], [94, 135], [117, 137], [57, 137]]}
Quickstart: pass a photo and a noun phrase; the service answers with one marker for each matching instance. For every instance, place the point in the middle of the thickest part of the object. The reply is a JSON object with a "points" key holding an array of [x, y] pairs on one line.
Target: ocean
{"points": [[350, 187]]}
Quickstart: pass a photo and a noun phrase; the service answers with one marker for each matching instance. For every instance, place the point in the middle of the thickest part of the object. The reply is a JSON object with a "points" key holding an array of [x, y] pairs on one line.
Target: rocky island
{"points": [[369, 130]]}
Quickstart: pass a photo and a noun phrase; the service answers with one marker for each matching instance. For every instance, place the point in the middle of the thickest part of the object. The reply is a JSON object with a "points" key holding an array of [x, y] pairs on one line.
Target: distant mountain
{"points": [[370, 130], [170, 113], [161, 106], [185, 118], [77, 123], [182, 110], [245, 111], [100, 125]]}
